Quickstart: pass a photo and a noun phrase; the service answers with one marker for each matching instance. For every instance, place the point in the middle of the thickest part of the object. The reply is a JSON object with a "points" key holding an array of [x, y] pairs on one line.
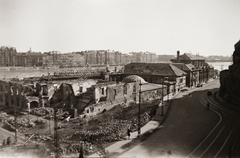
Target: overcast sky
{"points": [[206, 27]]}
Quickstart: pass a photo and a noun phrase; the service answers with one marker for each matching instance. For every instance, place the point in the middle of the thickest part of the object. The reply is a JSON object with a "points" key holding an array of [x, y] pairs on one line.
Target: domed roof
{"points": [[133, 78]]}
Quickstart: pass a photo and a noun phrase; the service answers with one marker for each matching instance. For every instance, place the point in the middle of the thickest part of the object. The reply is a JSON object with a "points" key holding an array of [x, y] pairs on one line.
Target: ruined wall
{"points": [[151, 95], [230, 79], [100, 107], [2, 93], [12, 94], [115, 93], [129, 92]]}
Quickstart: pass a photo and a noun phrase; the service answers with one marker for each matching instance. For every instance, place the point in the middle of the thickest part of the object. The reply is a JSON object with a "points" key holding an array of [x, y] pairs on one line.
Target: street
{"points": [[190, 129]]}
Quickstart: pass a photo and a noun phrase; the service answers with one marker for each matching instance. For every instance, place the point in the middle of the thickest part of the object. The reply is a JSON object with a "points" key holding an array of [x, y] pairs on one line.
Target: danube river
{"points": [[220, 65], [37, 72]]}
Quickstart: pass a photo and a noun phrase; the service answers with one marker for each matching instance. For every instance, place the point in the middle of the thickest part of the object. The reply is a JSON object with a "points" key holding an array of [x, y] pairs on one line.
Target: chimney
{"points": [[178, 58]]}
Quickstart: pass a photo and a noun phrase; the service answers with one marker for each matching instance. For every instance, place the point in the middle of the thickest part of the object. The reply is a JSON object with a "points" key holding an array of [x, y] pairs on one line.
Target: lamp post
{"points": [[50, 117], [48, 72], [139, 111], [55, 131], [15, 122]]}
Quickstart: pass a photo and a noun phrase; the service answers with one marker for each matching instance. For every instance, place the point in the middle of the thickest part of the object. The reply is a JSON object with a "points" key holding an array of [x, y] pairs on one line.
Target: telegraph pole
{"points": [[56, 145], [168, 88], [139, 111], [162, 113], [15, 122]]}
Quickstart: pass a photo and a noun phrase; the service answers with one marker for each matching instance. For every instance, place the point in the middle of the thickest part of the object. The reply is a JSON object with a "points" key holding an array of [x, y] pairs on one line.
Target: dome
{"points": [[133, 78]]}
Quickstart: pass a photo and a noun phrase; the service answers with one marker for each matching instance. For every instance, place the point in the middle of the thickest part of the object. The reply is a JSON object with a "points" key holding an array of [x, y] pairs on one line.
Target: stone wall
{"points": [[230, 79]]}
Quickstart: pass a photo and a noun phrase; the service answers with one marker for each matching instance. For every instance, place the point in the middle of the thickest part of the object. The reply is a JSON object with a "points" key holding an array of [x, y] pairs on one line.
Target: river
{"points": [[37, 72], [220, 65]]}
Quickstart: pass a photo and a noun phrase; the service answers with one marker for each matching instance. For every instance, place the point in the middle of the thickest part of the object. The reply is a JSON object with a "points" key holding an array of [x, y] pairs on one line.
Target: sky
{"points": [[204, 27]]}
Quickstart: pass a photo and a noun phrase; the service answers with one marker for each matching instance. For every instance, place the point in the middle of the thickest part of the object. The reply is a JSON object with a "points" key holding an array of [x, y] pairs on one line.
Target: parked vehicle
{"points": [[199, 85], [183, 90]]}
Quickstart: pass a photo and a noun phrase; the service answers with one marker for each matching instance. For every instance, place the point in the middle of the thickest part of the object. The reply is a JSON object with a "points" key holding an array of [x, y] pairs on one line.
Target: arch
{"points": [[133, 78], [33, 104]]}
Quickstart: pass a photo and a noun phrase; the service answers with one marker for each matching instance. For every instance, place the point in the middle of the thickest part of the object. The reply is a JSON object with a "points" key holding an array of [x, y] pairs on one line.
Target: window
{"points": [[134, 88], [181, 80], [102, 91]]}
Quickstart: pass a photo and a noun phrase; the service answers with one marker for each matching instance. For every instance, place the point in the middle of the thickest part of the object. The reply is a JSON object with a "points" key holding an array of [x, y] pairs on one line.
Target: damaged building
{"points": [[22, 94], [80, 97]]}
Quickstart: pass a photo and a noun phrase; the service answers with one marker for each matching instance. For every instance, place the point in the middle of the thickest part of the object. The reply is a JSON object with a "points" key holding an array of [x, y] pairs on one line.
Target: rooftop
{"points": [[133, 78], [160, 69], [184, 67]]}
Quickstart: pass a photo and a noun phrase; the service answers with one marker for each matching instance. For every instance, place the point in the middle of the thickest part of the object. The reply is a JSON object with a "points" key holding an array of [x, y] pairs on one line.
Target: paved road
{"points": [[187, 124]]}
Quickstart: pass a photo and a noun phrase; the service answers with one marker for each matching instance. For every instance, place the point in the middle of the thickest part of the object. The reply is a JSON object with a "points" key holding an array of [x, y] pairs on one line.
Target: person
{"points": [[9, 141], [129, 133], [81, 152], [4, 142], [208, 105]]}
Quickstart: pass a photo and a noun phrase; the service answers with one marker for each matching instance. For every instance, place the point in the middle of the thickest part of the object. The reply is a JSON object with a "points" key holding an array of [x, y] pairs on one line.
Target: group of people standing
{"points": [[7, 142]]}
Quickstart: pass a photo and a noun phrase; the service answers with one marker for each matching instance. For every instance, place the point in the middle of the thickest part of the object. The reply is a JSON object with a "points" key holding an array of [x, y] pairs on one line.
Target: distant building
{"points": [[73, 59], [142, 57], [165, 58], [195, 60], [51, 58], [7, 56], [29, 59]]}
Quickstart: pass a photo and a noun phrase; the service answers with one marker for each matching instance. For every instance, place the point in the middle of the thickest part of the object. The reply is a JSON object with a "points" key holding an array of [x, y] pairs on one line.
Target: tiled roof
{"points": [[161, 69], [184, 67], [190, 66], [194, 57]]}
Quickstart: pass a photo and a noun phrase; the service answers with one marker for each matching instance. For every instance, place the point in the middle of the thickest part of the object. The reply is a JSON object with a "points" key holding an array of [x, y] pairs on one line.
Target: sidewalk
{"points": [[120, 146]]}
